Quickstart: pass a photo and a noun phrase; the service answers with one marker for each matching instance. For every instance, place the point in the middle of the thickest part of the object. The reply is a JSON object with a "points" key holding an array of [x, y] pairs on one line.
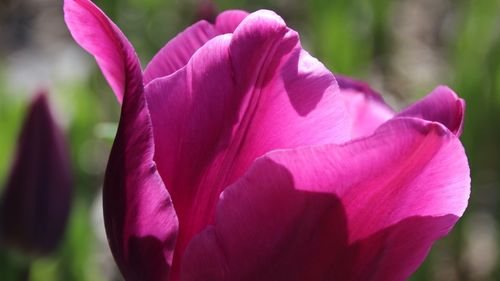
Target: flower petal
{"points": [[228, 21], [348, 83], [37, 197], [140, 220], [98, 35], [366, 210], [367, 108], [441, 105], [232, 104], [177, 52]]}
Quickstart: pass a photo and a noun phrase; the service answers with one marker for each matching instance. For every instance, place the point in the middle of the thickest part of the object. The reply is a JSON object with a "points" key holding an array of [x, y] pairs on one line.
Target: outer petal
{"points": [[181, 48], [140, 220], [366, 210], [37, 197], [367, 108], [231, 104], [441, 105], [97, 34]]}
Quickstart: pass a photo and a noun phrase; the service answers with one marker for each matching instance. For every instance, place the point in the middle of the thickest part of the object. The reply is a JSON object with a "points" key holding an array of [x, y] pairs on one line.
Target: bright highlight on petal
{"points": [[99, 36]]}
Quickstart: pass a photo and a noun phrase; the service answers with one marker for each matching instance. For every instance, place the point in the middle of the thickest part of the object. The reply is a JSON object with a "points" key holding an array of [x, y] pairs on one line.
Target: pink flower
{"points": [[37, 198], [239, 158]]}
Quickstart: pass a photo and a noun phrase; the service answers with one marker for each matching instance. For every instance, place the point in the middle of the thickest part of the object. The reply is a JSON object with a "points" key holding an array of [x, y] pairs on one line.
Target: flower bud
{"points": [[37, 196]]}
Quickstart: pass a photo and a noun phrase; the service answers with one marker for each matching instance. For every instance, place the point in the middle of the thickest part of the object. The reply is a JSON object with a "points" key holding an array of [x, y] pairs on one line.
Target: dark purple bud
{"points": [[38, 192]]}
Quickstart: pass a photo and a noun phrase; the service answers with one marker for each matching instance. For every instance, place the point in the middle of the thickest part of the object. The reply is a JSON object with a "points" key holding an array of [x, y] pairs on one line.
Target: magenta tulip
{"points": [[239, 157], [37, 197]]}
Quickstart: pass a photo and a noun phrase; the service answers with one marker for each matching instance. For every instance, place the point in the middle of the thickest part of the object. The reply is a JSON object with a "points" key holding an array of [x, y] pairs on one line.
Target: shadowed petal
{"points": [[367, 108], [231, 104], [177, 52], [140, 220], [441, 105], [37, 197], [366, 210], [98, 35]]}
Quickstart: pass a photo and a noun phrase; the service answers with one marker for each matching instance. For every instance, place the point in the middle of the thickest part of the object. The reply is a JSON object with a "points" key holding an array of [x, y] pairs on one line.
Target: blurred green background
{"points": [[402, 48]]}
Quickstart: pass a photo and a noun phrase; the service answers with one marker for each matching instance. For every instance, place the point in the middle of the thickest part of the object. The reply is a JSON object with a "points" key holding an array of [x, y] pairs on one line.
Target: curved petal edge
{"points": [[441, 105], [99, 36]]}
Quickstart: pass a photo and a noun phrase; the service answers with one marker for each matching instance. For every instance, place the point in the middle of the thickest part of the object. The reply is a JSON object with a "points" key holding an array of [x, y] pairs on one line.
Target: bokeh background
{"points": [[403, 48]]}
